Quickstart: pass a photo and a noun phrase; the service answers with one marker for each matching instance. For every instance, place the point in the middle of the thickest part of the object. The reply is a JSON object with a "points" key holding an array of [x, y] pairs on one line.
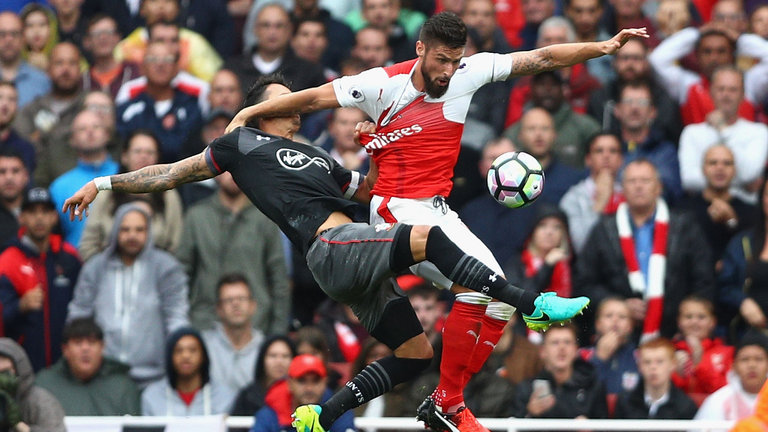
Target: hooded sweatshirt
{"points": [[39, 409], [138, 306], [161, 398]]}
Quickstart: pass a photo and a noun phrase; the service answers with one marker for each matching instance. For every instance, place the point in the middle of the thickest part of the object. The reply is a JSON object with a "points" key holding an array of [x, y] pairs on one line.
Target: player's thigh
{"points": [[351, 263]]}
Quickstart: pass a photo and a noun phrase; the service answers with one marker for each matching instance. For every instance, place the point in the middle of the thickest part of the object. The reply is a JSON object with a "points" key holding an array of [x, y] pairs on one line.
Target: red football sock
{"points": [[459, 338], [490, 333]]}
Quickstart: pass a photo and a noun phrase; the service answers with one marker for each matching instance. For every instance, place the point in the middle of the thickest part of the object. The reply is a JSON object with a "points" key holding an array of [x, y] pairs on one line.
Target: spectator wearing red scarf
{"points": [[544, 265]]}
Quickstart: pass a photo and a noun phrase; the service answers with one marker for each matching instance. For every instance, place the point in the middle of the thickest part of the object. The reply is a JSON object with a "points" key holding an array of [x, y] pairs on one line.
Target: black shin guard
{"points": [[376, 379], [469, 272]]}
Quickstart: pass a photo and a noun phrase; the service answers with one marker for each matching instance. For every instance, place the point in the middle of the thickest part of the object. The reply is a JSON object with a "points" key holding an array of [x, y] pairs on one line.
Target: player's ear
{"points": [[420, 48]]}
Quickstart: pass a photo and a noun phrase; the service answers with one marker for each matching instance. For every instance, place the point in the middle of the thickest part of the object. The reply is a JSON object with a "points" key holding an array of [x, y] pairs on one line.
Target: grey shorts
{"points": [[351, 263]]}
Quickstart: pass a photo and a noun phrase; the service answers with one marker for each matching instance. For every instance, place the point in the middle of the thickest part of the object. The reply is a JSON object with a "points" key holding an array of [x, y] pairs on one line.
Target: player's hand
{"points": [[613, 44], [238, 120], [77, 204], [32, 300], [363, 128]]}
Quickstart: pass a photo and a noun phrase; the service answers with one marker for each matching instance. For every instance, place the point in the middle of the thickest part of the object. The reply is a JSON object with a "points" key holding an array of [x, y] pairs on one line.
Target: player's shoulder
{"points": [[402, 68]]}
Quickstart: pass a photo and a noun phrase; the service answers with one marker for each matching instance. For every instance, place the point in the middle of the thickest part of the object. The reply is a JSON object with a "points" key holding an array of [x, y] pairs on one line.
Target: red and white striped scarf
{"points": [[653, 293]]}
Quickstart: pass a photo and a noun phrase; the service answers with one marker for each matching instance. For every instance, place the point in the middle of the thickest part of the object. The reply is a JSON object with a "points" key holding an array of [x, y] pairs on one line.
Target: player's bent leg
{"points": [[399, 329]]}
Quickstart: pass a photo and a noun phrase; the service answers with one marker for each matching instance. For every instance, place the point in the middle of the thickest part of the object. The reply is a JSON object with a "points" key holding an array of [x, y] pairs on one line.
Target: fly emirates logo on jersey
{"points": [[378, 140]]}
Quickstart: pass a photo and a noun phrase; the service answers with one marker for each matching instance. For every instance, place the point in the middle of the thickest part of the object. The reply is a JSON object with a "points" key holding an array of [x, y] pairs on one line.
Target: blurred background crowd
{"points": [[191, 302]]}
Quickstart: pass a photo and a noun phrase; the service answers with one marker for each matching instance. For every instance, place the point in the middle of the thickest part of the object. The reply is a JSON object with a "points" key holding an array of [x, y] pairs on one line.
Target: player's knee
{"points": [[420, 233], [417, 347]]}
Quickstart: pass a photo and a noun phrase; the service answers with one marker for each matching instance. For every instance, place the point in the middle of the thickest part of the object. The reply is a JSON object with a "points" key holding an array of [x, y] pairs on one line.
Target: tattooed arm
{"points": [[154, 178], [562, 55]]}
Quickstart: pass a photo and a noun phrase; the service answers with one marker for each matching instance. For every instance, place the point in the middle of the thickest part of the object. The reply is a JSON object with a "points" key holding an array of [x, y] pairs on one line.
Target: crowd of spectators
{"points": [[191, 302]]}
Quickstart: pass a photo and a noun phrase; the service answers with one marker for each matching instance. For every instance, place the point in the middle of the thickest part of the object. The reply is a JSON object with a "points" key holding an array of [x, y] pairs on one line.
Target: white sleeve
{"points": [[361, 90], [488, 67], [663, 59], [756, 78], [750, 152], [690, 155]]}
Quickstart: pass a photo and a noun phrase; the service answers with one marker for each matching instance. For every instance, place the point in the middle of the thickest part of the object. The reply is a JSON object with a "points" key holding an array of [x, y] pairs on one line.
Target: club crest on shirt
{"points": [[295, 160]]}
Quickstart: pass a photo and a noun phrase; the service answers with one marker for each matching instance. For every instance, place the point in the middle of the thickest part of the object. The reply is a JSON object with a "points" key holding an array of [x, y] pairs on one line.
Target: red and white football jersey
{"points": [[418, 138]]}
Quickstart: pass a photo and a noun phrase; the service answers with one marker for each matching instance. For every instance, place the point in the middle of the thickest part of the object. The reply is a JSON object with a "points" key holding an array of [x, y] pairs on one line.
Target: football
{"points": [[515, 179]]}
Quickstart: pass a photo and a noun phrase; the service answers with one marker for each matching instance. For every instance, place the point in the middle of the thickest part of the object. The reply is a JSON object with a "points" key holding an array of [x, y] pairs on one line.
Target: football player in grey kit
{"points": [[306, 193]]}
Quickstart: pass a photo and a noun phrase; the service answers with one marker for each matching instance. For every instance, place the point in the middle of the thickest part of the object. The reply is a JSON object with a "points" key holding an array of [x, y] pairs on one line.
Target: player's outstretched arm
{"points": [[563, 55], [153, 178], [309, 100]]}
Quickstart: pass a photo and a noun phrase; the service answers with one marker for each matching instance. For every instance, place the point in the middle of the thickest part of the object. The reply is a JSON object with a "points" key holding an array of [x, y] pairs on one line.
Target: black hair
{"points": [[753, 337], [173, 340], [82, 328], [168, 23], [297, 22], [229, 279], [260, 373], [99, 17], [256, 95], [714, 32], [156, 200], [9, 152], [640, 83], [593, 139], [6, 83], [444, 28]]}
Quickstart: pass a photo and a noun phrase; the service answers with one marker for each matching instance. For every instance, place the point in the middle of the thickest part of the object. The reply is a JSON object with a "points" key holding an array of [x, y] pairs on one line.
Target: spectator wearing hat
{"points": [[573, 129], [38, 273], [84, 381], [187, 389], [306, 384]]}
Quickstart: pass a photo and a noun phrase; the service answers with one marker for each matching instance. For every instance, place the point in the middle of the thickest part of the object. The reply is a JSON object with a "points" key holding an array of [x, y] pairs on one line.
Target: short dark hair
{"points": [[297, 22], [167, 23], [637, 84], [100, 17], [714, 32], [6, 83], [594, 137], [255, 94], [82, 328], [229, 279], [444, 28], [12, 153]]}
